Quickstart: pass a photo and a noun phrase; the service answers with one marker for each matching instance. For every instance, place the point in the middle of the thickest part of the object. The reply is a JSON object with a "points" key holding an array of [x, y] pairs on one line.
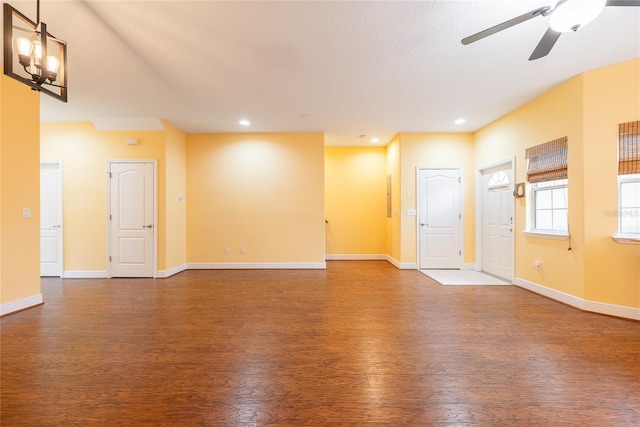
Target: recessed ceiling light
{"points": [[460, 121], [245, 122], [375, 140]]}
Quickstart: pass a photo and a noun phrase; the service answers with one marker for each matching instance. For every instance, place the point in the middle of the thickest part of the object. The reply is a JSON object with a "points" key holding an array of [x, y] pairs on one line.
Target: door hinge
{"points": [[460, 252], [110, 175], [110, 259], [459, 216], [460, 179], [110, 217]]}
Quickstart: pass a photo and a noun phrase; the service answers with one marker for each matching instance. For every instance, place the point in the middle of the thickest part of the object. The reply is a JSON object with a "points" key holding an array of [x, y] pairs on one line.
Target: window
{"points": [[629, 204], [498, 181], [629, 178], [550, 206], [547, 173]]}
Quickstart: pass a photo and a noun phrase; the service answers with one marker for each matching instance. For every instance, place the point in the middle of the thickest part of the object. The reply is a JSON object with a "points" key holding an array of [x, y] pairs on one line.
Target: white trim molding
{"points": [[627, 239], [21, 304], [355, 257], [402, 265], [163, 274], [579, 303], [471, 266], [612, 310], [257, 266], [546, 235], [77, 274]]}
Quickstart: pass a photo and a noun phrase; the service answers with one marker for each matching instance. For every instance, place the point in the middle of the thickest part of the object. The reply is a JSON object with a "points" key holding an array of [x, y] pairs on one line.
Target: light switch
{"points": [[411, 212], [26, 213]]}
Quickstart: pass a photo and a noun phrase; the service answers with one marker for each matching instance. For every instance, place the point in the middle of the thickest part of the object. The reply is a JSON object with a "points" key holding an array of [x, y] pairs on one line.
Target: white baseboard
{"points": [[612, 310], [550, 293], [91, 274], [21, 304], [582, 304], [355, 257], [163, 274], [258, 266], [470, 266], [401, 265]]}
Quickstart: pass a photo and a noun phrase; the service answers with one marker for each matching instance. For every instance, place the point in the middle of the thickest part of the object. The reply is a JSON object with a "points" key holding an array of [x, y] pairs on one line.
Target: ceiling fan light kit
{"points": [[571, 15], [564, 16]]}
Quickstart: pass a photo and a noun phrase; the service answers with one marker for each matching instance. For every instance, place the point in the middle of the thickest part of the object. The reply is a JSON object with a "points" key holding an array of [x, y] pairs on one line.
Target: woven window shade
{"points": [[629, 148], [548, 161]]}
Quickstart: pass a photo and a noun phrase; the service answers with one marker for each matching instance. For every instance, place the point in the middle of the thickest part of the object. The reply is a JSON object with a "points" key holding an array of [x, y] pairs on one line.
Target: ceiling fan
{"points": [[564, 16]]}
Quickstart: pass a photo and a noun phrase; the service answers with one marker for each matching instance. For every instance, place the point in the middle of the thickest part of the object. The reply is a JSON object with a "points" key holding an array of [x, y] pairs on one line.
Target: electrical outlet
{"points": [[226, 249], [537, 265], [242, 249]]}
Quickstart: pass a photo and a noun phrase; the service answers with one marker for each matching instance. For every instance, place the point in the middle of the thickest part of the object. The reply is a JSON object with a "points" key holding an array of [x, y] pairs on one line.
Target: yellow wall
{"points": [[176, 185], [436, 150], [555, 114], [84, 152], [266, 192], [19, 188], [612, 270], [393, 223], [587, 109], [263, 192], [355, 200]]}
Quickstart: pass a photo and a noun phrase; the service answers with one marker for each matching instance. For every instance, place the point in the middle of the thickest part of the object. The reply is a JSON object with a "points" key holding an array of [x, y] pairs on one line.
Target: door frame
{"points": [[58, 163], [155, 210], [417, 212], [511, 161]]}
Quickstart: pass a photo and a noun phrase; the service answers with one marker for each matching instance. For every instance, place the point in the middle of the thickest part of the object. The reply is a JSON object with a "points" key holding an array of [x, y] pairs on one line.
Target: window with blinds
{"points": [[629, 178], [547, 172], [629, 148], [548, 161]]}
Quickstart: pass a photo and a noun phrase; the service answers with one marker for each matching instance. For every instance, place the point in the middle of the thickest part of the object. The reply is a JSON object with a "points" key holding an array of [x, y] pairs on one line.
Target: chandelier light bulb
{"points": [[53, 64], [574, 14], [24, 46]]}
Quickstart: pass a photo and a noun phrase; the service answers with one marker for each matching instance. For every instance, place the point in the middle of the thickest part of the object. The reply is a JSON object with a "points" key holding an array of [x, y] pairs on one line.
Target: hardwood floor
{"points": [[361, 343]]}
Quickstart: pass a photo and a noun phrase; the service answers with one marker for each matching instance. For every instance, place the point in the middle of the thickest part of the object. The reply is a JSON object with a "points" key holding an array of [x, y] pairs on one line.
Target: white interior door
{"points": [[439, 218], [51, 219], [497, 221], [131, 218]]}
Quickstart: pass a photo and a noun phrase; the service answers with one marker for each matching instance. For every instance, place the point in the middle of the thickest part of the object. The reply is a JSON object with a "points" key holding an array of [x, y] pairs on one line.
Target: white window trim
{"points": [[544, 234], [547, 235], [626, 238]]}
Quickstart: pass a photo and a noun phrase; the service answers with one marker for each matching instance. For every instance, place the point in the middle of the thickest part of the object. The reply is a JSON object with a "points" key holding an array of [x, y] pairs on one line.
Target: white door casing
{"points": [[131, 219], [439, 218], [51, 247], [497, 221]]}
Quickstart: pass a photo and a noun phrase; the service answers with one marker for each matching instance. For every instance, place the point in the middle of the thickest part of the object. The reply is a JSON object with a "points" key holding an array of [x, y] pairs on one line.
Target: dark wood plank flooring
{"points": [[361, 343]]}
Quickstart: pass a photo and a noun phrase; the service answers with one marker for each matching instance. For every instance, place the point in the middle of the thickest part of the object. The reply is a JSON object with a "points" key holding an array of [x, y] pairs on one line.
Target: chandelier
{"points": [[34, 56]]}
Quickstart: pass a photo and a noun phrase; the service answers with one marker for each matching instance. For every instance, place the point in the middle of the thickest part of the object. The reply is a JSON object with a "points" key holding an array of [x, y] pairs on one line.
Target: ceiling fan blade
{"points": [[635, 3], [505, 25], [546, 43]]}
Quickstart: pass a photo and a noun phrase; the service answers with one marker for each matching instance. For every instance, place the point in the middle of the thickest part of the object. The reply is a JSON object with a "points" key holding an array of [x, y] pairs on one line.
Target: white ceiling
{"points": [[346, 68]]}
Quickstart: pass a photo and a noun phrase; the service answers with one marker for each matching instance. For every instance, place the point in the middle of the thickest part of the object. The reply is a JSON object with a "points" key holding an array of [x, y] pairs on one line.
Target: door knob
{"points": [[422, 225], [148, 226]]}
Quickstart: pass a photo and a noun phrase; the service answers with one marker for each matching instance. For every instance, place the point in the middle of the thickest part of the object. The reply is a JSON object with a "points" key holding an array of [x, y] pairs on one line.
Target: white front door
{"points": [[439, 218], [131, 219], [497, 221], [51, 219]]}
